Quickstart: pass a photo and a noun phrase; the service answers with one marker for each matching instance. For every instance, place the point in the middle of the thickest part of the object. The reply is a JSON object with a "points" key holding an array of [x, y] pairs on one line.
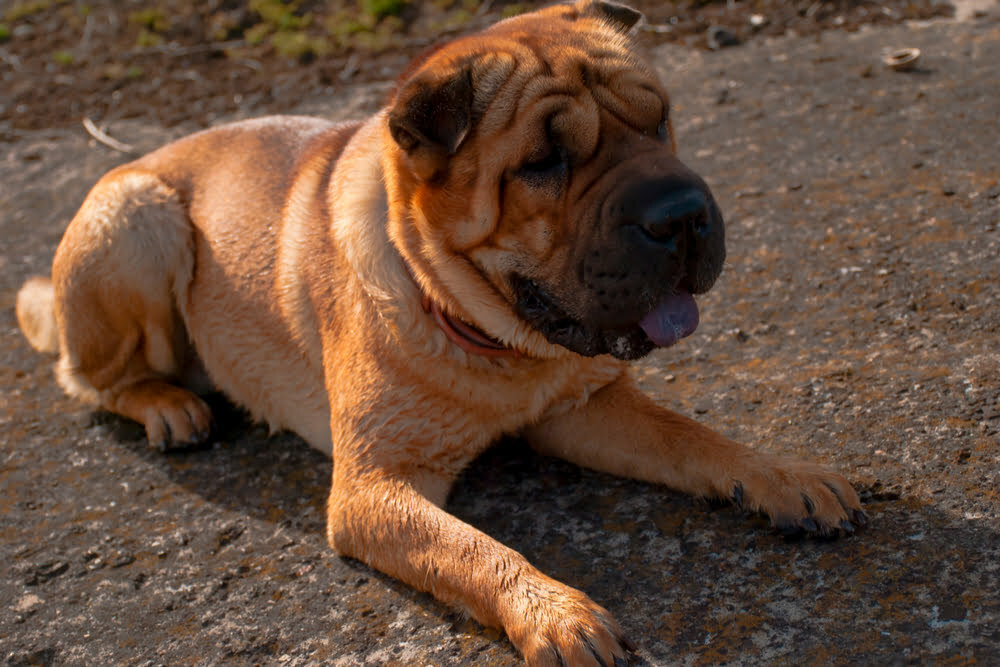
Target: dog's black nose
{"points": [[658, 225], [673, 215]]}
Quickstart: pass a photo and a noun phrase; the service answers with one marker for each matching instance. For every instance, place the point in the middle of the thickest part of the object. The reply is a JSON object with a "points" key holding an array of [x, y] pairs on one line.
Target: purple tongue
{"points": [[673, 318]]}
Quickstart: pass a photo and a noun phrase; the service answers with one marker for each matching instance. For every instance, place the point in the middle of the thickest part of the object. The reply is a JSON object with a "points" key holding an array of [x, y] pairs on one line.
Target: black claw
{"points": [[593, 651], [165, 443], [860, 518], [627, 643], [738, 494], [809, 524], [834, 491], [847, 527], [810, 505], [620, 662]]}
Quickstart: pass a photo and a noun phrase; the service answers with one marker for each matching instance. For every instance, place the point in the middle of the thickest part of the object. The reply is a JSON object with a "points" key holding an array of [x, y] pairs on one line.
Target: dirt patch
{"points": [[171, 61]]}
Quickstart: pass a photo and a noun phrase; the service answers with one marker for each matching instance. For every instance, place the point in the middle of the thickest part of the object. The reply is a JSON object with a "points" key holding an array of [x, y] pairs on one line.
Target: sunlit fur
{"points": [[286, 260]]}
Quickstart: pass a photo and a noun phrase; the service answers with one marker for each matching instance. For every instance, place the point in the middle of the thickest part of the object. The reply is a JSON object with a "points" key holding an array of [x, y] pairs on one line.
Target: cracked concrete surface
{"points": [[857, 323]]}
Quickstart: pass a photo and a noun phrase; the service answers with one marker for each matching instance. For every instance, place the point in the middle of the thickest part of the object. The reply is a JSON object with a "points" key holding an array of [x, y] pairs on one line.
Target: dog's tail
{"points": [[36, 314]]}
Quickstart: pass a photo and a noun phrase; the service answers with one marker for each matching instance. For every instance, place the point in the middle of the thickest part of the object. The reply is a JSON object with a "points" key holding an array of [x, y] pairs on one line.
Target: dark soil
{"points": [[172, 61]]}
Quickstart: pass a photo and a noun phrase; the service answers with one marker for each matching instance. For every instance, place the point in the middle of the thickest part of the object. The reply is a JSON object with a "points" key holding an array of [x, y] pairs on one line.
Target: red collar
{"points": [[466, 336]]}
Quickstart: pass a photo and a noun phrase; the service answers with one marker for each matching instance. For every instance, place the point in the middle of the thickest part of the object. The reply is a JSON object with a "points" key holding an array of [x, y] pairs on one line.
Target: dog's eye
{"points": [[543, 171], [661, 130]]}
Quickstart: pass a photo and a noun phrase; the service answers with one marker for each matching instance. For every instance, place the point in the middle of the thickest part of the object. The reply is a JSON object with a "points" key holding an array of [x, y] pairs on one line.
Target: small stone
{"points": [[45, 572], [122, 558], [719, 38]]}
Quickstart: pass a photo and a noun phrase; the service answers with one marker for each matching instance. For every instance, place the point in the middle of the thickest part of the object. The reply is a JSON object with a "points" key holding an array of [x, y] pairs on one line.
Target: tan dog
{"points": [[476, 260]]}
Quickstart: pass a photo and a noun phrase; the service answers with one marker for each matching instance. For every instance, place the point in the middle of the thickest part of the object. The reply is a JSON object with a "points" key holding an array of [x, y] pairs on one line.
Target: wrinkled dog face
{"points": [[545, 158]]}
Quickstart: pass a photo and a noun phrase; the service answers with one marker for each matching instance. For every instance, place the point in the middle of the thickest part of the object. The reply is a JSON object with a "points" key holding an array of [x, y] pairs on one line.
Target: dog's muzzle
{"points": [[658, 240]]}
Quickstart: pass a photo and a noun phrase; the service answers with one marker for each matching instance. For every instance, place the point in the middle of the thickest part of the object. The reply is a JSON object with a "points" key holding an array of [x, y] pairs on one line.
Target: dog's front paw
{"points": [[174, 417], [559, 625], [798, 496]]}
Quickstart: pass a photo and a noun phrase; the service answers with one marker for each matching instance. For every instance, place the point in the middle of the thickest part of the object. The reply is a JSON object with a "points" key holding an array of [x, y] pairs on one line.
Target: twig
{"points": [[350, 67], [483, 8], [102, 137], [174, 50], [84, 46], [249, 62]]}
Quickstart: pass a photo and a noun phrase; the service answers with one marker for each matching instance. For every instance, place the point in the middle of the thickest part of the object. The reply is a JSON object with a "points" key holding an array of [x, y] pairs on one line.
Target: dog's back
{"points": [[162, 267]]}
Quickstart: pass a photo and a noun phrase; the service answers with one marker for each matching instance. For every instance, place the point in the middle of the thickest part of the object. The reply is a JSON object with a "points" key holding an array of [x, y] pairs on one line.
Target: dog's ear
{"points": [[431, 116], [620, 16]]}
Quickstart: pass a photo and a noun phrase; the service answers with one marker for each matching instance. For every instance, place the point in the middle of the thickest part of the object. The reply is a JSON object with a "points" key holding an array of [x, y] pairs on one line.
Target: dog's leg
{"points": [[119, 275], [623, 432], [388, 522]]}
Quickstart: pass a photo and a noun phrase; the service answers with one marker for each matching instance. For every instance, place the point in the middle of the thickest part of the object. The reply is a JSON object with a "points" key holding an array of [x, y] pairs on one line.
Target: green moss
{"points": [[382, 8], [257, 34], [514, 10], [62, 58], [343, 26], [298, 44], [152, 20], [116, 71], [147, 39], [280, 15], [4, 32], [19, 10]]}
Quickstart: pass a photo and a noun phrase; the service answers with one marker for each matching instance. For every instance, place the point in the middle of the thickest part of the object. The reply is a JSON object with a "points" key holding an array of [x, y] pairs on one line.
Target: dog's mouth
{"points": [[674, 317]]}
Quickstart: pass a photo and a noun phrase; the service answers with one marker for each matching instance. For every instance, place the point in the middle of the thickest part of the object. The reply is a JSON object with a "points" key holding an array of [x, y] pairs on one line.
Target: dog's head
{"points": [[534, 172]]}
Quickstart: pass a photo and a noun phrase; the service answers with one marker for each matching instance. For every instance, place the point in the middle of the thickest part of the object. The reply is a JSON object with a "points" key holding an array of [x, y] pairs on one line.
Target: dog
{"points": [[481, 258]]}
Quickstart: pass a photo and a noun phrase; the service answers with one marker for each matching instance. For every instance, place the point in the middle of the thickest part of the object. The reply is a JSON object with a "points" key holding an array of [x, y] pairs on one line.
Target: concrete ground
{"points": [[857, 323]]}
